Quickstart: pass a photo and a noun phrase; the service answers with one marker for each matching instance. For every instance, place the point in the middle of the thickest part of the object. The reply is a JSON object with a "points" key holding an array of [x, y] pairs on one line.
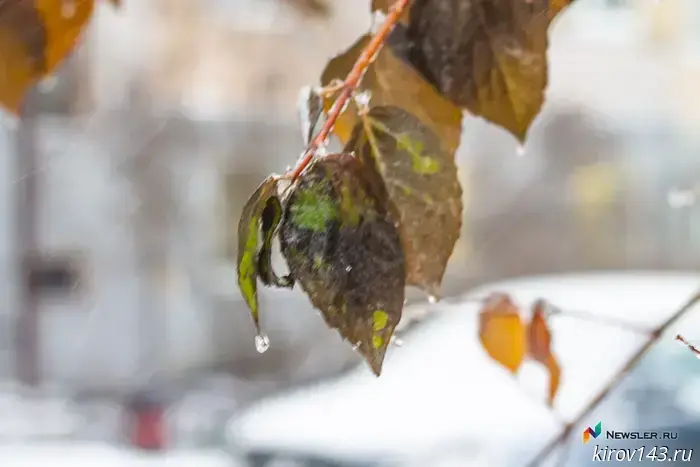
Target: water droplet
{"points": [[520, 150], [348, 268], [321, 151], [432, 299], [397, 341], [362, 98], [356, 346], [262, 343]]}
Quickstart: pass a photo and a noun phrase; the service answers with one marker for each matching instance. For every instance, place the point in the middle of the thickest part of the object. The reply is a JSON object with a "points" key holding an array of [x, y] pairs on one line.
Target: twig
{"points": [[619, 376], [690, 346], [349, 85], [603, 320]]}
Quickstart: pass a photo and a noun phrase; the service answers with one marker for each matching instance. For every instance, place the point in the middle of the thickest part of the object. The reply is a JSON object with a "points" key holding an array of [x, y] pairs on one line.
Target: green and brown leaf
{"points": [[488, 56], [248, 241], [420, 179], [342, 246]]}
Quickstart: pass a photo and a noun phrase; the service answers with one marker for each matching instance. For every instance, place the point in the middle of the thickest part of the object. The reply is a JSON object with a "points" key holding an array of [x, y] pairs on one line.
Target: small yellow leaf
{"points": [[539, 343], [34, 38], [502, 331]]}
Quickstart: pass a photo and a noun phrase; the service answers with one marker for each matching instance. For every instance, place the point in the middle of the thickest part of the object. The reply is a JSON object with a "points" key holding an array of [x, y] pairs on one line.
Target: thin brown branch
{"points": [[690, 346], [546, 451], [349, 85]]}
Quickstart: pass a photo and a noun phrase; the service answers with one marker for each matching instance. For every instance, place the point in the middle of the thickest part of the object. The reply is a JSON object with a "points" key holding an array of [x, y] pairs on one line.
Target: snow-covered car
{"points": [[441, 400]]}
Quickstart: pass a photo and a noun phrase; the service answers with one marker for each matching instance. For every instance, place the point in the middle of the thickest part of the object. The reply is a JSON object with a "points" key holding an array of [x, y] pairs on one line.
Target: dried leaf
{"points": [[539, 344], [502, 331], [392, 82], [310, 108], [420, 179], [488, 56], [341, 245], [271, 216], [248, 240], [35, 36]]}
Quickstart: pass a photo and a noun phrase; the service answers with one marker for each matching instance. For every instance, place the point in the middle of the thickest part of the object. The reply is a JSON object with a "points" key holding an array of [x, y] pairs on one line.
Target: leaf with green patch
{"points": [[420, 179], [248, 240], [271, 216], [488, 56], [343, 248], [392, 81]]}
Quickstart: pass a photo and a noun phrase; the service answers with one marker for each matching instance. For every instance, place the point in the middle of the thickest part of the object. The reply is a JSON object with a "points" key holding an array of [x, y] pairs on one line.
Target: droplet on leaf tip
{"points": [[432, 299], [262, 343], [398, 342], [520, 150]]}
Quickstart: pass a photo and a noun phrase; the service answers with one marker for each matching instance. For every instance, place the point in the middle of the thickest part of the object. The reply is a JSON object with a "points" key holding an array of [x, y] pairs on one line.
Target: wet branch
{"points": [[562, 437], [349, 85]]}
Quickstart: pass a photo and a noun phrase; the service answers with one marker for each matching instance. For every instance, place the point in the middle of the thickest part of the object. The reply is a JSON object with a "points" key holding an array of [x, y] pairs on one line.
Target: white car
{"points": [[441, 401]]}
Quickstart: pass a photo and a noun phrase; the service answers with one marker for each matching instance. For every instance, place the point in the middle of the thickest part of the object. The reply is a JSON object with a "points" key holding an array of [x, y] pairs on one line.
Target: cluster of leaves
{"points": [[35, 37], [357, 227], [509, 339]]}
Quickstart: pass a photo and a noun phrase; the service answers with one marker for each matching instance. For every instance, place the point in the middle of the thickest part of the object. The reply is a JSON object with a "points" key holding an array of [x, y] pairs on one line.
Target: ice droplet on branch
{"points": [[262, 343]]}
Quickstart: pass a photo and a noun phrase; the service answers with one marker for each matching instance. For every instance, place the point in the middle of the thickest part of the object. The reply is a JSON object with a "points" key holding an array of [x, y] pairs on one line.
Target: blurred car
{"points": [[442, 401]]}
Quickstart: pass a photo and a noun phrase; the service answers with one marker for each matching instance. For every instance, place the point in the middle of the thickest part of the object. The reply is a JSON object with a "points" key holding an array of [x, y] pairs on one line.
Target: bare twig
{"points": [[349, 85], [545, 452], [690, 346]]}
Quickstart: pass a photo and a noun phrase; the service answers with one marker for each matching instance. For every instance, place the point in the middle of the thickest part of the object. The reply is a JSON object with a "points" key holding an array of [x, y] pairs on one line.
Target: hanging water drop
{"points": [[397, 341], [432, 299], [262, 343], [348, 268], [520, 150]]}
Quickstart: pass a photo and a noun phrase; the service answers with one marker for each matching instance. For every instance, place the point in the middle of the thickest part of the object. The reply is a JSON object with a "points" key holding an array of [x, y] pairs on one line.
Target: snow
{"points": [[60, 454], [440, 385]]}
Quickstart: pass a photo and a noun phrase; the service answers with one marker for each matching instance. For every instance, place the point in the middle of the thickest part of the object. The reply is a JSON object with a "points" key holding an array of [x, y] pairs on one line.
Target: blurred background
{"points": [[120, 194]]}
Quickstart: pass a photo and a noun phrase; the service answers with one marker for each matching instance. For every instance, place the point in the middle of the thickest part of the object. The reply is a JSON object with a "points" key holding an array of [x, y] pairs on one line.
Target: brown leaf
{"points": [[502, 331], [539, 344], [392, 82], [420, 179], [35, 36], [488, 56]]}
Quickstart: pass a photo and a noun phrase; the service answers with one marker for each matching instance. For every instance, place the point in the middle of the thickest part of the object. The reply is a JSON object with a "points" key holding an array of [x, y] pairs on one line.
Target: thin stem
{"points": [[603, 320], [349, 85], [690, 346], [617, 378]]}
